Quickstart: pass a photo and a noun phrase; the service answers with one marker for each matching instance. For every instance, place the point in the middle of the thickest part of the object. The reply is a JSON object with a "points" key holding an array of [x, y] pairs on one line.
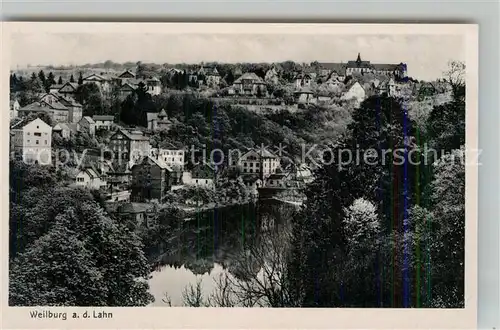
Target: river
{"points": [[206, 245]]}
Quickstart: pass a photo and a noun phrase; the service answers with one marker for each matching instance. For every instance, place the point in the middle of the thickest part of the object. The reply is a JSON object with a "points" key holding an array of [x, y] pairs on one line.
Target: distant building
{"points": [[137, 213], [250, 84], [211, 76], [355, 92], [173, 158], [101, 81], [150, 180], [129, 146], [359, 66], [303, 80], [33, 140], [54, 88], [61, 103], [202, 175], [103, 122], [69, 90], [125, 77], [64, 130], [304, 96], [14, 109], [158, 121], [277, 180], [272, 75], [153, 86], [89, 178], [259, 162], [87, 125]]}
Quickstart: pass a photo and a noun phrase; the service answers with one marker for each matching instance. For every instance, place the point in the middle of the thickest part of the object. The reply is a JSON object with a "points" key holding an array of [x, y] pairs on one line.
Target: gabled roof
{"points": [[71, 84], [55, 105], [162, 113], [249, 76], [35, 107], [56, 86], [303, 75], [126, 72], [95, 76], [88, 119], [19, 124]]}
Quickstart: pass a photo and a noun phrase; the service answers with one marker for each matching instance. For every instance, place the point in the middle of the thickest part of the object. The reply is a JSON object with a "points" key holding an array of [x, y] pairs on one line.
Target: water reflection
{"points": [[210, 244]]}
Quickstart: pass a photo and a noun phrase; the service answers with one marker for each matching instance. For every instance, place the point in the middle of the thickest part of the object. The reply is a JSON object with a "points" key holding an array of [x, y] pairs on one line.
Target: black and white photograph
{"points": [[254, 170]]}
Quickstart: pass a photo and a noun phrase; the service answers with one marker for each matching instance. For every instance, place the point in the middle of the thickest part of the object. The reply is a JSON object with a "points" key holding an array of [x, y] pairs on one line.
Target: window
{"points": [[28, 141], [28, 133], [251, 164], [37, 141], [244, 170], [37, 134], [251, 170], [245, 164], [45, 141], [196, 180]]}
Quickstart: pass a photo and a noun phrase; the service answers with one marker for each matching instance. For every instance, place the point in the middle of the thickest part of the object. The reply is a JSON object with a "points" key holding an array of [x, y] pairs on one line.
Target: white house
{"points": [[202, 175], [173, 158], [87, 124], [259, 162], [103, 122], [101, 81], [33, 141], [355, 92], [90, 179], [153, 86]]}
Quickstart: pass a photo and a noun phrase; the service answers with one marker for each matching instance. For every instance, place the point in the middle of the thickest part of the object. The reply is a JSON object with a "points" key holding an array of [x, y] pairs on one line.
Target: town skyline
{"points": [[78, 49]]}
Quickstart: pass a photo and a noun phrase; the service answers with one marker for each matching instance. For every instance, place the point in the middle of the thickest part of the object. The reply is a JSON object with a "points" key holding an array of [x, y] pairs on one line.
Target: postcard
{"points": [[239, 175]]}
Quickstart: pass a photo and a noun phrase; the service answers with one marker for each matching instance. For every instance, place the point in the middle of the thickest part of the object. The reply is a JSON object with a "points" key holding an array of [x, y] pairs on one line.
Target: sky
{"points": [[426, 56]]}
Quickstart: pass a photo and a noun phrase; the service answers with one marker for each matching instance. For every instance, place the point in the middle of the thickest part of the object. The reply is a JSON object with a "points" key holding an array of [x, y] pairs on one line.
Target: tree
{"points": [[60, 81], [89, 95], [41, 76], [72, 79], [455, 76], [80, 78], [69, 243], [50, 81]]}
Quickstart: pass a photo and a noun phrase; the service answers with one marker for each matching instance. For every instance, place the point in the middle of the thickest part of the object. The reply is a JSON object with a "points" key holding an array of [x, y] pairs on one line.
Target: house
{"points": [[192, 77], [63, 130], [158, 121], [87, 124], [127, 89], [60, 102], [304, 96], [202, 175], [103, 122], [125, 77], [68, 90], [56, 110], [118, 195], [130, 146], [119, 173], [137, 213], [54, 88], [103, 82], [33, 140], [258, 162], [272, 75], [173, 158], [303, 80], [250, 84], [89, 178], [153, 86], [398, 71], [278, 179], [14, 107], [211, 76], [354, 92], [150, 180]]}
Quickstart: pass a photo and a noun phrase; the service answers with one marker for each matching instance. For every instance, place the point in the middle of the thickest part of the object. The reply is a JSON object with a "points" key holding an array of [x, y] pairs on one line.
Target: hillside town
{"points": [[196, 167], [138, 173]]}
